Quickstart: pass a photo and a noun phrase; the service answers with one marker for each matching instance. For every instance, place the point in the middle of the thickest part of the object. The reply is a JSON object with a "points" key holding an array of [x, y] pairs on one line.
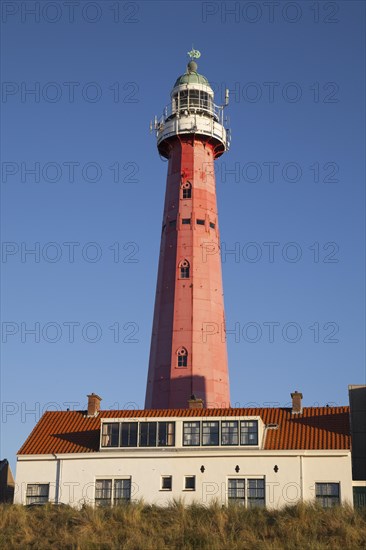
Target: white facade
{"points": [[288, 476]]}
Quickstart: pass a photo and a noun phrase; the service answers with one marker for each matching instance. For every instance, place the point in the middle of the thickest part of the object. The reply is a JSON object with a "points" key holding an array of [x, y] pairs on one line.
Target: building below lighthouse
{"points": [[188, 443]]}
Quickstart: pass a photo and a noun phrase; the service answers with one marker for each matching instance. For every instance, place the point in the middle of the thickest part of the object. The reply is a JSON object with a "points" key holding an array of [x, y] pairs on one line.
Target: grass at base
{"points": [[141, 527]]}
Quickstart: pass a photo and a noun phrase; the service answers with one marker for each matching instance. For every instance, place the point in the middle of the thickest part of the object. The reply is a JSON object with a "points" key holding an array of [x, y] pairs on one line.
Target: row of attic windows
{"points": [[195, 433]]}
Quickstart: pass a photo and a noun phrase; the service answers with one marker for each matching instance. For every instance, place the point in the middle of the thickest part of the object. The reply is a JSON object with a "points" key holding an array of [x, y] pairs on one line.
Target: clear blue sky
{"points": [[297, 118]]}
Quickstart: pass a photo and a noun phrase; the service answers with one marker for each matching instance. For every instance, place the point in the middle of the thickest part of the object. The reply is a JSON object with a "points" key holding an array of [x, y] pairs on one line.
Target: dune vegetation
{"points": [[140, 527]]}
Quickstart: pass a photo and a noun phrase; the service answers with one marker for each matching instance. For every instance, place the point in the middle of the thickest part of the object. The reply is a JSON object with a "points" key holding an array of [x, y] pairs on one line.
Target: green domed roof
{"points": [[191, 76]]}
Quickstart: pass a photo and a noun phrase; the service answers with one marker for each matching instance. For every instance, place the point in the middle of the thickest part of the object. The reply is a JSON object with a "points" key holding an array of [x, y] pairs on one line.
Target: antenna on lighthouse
{"points": [[226, 97]]}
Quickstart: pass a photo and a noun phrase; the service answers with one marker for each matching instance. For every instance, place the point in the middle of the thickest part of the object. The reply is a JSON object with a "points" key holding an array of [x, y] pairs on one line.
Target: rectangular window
{"points": [[327, 494], [187, 193], [190, 483], [108, 493], [236, 491], [148, 434], [172, 223], [103, 492], [255, 488], [166, 483], [110, 434], [229, 432], [186, 221], [37, 493], [249, 432], [122, 491], [129, 434], [166, 435], [191, 433], [212, 225], [247, 492], [200, 222], [210, 433]]}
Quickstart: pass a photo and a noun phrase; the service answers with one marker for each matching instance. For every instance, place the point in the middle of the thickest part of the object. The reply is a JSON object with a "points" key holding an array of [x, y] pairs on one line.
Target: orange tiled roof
{"points": [[315, 428]]}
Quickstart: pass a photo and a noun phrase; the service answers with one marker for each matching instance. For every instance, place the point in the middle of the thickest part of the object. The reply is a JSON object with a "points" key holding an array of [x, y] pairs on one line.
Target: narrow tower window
{"points": [[182, 357], [186, 190], [184, 269]]}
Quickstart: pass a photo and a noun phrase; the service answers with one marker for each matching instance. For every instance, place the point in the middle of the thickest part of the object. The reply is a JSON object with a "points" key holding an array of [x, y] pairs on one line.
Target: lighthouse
{"points": [[188, 355]]}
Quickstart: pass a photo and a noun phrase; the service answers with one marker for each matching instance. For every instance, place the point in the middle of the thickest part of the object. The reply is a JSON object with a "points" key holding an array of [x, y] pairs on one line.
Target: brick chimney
{"points": [[296, 402], [93, 404], [195, 402]]}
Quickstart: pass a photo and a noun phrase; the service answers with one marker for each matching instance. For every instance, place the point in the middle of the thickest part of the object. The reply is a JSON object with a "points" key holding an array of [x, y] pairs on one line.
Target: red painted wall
{"points": [[189, 312]]}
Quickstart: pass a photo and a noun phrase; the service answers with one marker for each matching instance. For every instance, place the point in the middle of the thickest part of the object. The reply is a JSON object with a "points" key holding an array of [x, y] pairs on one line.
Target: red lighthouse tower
{"points": [[188, 354]]}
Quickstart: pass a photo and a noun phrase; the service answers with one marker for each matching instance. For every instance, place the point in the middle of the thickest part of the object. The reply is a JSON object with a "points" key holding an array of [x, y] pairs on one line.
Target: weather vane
{"points": [[194, 54]]}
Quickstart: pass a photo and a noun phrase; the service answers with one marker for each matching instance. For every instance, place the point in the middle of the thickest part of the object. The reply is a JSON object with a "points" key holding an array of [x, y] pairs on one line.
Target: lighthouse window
{"points": [[184, 269], [172, 223], [194, 98], [183, 100], [187, 191], [186, 221], [200, 222], [210, 433], [148, 434], [191, 433], [182, 357], [212, 225]]}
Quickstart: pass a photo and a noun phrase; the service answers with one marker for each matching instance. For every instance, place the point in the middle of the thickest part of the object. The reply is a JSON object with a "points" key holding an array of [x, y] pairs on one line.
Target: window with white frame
{"points": [[246, 492], [103, 492], [249, 432], [148, 434], [210, 433], [327, 494], [133, 434], [111, 492], [166, 434], [229, 432], [255, 493], [236, 491], [129, 434], [110, 434], [190, 483], [37, 493], [191, 433], [166, 483], [122, 491]]}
